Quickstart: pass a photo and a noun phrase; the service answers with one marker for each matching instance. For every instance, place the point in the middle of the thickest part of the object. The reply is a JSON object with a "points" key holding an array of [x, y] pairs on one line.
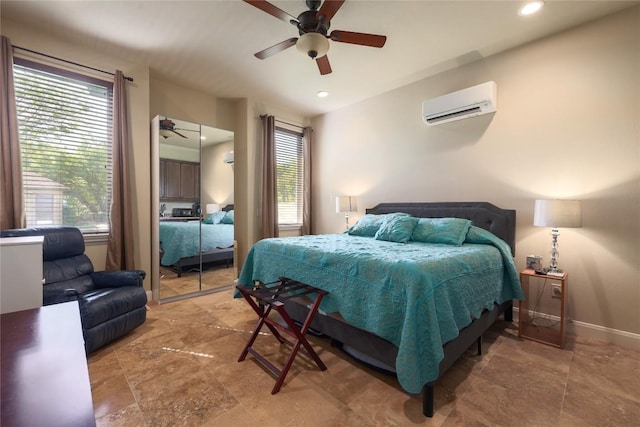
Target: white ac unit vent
{"points": [[228, 157], [465, 103]]}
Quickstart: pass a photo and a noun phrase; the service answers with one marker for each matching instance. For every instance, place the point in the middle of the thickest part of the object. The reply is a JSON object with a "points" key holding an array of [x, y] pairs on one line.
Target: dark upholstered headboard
{"points": [[501, 222], [228, 208]]}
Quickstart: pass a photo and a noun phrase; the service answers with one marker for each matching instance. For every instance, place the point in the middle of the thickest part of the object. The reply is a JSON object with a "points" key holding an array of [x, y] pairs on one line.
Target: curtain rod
{"points": [[290, 124], [69, 62], [262, 116], [282, 121]]}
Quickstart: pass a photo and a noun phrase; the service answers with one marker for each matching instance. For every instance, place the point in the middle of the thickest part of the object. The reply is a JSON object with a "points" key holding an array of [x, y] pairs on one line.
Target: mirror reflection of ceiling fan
{"points": [[313, 26], [168, 129]]}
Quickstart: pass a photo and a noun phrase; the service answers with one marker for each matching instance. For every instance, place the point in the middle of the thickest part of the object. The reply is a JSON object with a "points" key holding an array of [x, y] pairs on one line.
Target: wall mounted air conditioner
{"points": [[465, 103], [228, 157]]}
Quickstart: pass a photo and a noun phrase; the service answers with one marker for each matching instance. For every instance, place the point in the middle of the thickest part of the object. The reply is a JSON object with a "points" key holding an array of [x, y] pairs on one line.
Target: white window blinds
{"points": [[65, 127], [290, 176]]}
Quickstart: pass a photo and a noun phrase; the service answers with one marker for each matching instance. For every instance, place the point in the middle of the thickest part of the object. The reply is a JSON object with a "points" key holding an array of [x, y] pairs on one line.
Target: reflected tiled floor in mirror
{"points": [[213, 276], [180, 369]]}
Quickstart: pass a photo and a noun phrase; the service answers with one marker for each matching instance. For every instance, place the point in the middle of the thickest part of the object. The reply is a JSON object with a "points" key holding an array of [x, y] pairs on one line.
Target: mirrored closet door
{"points": [[192, 221]]}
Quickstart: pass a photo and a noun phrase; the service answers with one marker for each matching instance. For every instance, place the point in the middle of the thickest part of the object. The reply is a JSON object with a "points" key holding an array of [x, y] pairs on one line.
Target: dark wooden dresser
{"points": [[44, 375]]}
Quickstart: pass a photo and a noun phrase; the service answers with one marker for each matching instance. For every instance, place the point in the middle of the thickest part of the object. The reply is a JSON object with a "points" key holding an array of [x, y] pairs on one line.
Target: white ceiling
{"points": [[209, 45]]}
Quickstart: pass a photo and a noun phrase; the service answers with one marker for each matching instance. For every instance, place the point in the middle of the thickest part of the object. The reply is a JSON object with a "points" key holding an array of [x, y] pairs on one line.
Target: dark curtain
{"points": [[307, 144], [269, 178], [11, 204], [120, 244]]}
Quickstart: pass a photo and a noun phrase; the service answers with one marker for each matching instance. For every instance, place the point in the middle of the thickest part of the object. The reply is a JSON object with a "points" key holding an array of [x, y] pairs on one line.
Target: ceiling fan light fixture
{"points": [[166, 133], [314, 45]]}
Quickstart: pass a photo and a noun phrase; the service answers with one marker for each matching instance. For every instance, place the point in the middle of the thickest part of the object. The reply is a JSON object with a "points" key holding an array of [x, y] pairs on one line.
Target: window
{"points": [[290, 176], [65, 126], [44, 209]]}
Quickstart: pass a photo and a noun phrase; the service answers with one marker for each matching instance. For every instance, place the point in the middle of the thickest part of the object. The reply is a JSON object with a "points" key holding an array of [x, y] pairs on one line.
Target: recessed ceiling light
{"points": [[202, 137], [323, 94], [530, 8]]}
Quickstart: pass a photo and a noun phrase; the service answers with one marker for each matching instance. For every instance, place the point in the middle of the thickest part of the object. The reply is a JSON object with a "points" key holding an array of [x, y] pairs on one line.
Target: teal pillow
{"points": [[368, 225], [451, 231], [214, 218], [227, 218], [397, 229]]}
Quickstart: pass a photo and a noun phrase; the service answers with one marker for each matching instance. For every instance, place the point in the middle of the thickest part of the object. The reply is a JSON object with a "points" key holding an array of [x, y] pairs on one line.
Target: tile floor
{"points": [[180, 369]]}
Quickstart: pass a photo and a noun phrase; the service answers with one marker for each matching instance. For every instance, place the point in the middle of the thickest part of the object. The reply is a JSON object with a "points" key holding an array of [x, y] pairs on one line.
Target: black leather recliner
{"points": [[112, 303]]}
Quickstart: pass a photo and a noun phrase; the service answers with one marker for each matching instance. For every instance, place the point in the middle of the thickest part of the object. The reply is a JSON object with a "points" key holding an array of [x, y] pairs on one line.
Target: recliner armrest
{"points": [[117, 279], [56, 296]]}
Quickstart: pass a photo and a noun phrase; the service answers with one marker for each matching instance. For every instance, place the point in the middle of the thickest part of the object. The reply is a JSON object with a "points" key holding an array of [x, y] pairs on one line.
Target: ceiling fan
{"points": [[313, 26], [168, 129]]}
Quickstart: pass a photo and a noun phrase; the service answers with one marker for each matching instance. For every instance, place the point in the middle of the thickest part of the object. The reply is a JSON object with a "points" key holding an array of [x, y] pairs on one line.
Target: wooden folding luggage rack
{"points": [[271, 296]]}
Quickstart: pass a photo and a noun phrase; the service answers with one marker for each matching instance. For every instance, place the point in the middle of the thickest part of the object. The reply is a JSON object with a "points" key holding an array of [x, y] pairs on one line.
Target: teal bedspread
{"points": [[415, 295], [182, 239]]}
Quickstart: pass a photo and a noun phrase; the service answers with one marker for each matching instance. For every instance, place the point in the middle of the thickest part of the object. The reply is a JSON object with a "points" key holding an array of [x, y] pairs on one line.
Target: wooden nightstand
{"points": [[542, 315]]}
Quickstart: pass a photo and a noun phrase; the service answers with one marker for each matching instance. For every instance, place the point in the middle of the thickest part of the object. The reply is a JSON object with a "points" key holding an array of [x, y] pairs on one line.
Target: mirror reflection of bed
{"points": [[192, 180], [197, 255]]}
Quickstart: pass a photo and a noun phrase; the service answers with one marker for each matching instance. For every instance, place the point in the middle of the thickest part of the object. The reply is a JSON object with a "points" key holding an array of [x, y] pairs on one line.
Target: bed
{"points": [[391, 303], [185, 244]]}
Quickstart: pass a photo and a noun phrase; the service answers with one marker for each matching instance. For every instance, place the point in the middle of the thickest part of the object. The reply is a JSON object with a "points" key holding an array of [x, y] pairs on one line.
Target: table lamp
{"points": [[557, 214], [346, 204], [212, 207]]}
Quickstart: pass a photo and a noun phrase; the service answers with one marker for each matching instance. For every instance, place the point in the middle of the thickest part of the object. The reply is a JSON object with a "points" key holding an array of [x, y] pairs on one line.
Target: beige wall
{"points": [[217, 176], [567, 126], [179, 102]]}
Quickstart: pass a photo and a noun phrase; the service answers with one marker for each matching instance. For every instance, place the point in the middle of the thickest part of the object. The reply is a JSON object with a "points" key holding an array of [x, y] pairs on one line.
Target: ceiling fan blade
{"points": [[272, 10], [323, 65], [328, 9], [362, 39], [263, 54], [179, 134]]}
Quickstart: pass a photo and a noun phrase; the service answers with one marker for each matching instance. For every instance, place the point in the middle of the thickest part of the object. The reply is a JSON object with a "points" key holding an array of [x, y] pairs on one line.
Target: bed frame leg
{"points": [[427, 400], [479, 345], [508, 314]]}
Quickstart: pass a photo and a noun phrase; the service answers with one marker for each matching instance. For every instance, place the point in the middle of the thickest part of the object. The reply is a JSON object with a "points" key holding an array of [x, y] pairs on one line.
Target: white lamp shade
{"points": [[165, 133], [558, 213], [346, 204], [314, 45], [212, 207]]}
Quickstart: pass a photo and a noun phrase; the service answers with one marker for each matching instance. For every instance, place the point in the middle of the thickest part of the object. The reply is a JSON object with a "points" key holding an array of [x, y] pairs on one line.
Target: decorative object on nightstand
{"points": [[557, 214], [534, 262], [538, 326], [346, 204]]}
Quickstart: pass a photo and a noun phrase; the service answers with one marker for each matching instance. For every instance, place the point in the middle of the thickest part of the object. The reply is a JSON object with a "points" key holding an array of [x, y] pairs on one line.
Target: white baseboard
{"points": [[610, 335], [597, 332]]}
